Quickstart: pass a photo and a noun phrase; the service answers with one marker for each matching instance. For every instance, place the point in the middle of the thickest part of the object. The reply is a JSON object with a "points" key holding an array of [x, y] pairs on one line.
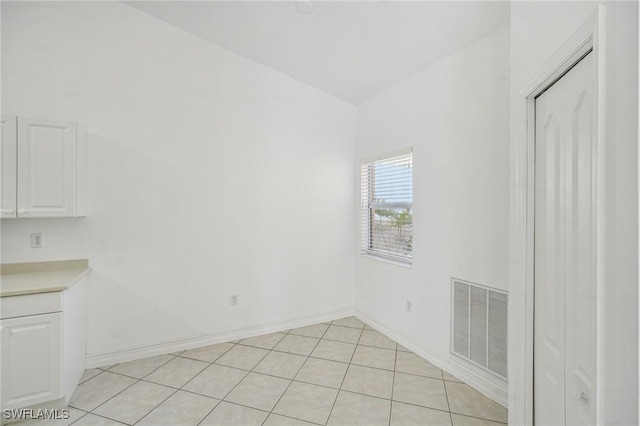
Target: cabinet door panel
{"points": [[8, 163], [31, 360], [46, 168]]}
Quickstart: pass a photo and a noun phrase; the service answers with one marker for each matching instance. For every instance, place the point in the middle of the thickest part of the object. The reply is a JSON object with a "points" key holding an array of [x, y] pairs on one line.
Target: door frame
{"points": [[591, 36]]}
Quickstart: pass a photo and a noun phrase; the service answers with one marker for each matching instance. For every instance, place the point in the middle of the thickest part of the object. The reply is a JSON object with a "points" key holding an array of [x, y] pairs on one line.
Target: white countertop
{"points": [[41, 277]]}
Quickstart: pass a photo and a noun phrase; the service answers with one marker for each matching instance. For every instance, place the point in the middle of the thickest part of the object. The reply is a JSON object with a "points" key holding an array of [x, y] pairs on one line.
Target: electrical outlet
{"points": [[36, 240], [409, 305], [233, 299]]}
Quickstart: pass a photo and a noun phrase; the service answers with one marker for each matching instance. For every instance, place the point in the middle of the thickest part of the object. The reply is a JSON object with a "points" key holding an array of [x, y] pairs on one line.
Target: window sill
{"points": [[385, 260]]}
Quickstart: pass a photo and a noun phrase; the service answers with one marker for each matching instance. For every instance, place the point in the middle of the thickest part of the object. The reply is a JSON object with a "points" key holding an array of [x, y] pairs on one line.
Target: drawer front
{"points": [[30, 304]]}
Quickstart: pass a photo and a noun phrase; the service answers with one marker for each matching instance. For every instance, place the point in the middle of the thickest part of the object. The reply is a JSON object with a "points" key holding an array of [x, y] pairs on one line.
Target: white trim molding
{"points": [[484, 382], [590, 37], [142, 351]]}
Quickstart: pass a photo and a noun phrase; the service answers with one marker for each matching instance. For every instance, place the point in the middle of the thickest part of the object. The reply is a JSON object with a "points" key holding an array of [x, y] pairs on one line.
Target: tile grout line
{"points": [[461, 414], [319, 385], [103, 369], [284, 415], [91, 378], [347, 372], [282, 352], [110, 398], [446, 394], [479, 418], [270, 375], [176, 389], [393, 382], [292, 418], [84, 414], [245, 376], [233, 345], [298, 372], [100, 371], [214, 362], [401, 402], [253, 370], [138, 380], [342, 362], [153, 409], [299, 381], [98, 415]]}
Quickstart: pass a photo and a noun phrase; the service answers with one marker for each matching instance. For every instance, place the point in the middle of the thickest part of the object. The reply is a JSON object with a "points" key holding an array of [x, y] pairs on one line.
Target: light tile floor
{"points": [[338, 373]]}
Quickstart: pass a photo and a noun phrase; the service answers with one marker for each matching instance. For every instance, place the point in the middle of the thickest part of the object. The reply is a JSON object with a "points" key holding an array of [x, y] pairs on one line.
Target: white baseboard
{"points": [[491, 387], [142, 351], [486, 385]]}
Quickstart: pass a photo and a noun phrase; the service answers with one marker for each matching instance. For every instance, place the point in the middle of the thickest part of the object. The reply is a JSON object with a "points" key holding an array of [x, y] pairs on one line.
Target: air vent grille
{"points": [[479, 329]]}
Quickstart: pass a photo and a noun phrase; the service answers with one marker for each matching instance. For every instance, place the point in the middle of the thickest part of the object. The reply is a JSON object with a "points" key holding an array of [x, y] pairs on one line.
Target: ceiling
{"points": [[350, 49]]}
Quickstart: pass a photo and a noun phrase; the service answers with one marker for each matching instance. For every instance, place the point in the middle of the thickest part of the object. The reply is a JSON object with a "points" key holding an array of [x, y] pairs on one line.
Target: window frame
{"points": [[368, 206]]}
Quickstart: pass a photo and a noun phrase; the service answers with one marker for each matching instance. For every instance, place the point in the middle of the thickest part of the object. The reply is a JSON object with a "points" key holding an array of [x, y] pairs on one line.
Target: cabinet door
{"points": [[31, 360], [46, 168], [8, 162]]}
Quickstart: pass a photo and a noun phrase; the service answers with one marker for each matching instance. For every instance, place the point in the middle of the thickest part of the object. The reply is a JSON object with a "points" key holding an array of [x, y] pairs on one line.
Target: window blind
{"points": [[387, 207]]}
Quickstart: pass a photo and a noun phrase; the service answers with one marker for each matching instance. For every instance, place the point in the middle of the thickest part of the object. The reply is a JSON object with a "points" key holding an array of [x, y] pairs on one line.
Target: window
{"points": [[387, 207]]}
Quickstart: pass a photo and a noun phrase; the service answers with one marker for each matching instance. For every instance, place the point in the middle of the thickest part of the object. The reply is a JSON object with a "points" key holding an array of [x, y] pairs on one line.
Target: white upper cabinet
{"points": [[49, 169]]}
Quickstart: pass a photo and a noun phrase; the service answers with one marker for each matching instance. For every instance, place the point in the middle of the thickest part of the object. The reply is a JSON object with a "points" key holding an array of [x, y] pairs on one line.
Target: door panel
{"points": [[565, 299], [549, 323], [580, 275]]}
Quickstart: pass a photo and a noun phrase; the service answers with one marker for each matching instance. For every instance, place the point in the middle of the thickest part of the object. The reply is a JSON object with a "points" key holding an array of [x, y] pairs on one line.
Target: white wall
{"points": [[455, 116], [538, 30], [210, 175], [619, 324]]}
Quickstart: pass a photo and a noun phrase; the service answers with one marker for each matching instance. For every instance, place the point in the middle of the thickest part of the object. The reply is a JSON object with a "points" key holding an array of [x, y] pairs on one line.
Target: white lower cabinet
{"points": [[31, 360], [43, 347]]}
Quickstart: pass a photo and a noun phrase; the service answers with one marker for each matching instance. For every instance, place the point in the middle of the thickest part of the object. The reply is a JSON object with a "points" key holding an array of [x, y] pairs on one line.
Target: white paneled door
{"points": [[565, 291]]}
